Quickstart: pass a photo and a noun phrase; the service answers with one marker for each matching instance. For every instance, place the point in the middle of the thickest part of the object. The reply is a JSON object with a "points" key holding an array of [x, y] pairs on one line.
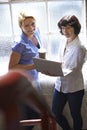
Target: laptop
{"points": [[44, 65]]}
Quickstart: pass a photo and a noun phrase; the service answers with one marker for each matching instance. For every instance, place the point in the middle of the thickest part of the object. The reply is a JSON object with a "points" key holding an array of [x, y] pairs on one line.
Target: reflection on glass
{"points": [[1, 1], [60, 8], [55, 12], [47, 14], [54, 46], [5, 37], [5, 20]]}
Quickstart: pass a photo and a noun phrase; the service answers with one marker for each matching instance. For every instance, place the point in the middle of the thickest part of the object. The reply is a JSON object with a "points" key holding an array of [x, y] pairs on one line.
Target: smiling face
{"points": [[28, 26], [68, 31], [69, 25]]}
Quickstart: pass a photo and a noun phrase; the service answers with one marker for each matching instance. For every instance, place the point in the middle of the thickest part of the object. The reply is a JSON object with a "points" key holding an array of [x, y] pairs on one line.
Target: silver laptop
{"points": [[52, 67]]}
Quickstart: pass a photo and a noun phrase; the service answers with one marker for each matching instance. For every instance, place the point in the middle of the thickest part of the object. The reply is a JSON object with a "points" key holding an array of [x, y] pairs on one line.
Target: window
{"points": [[47, 14]]}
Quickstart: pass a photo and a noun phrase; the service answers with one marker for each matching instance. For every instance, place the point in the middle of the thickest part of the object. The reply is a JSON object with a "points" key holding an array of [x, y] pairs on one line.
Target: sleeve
{"points": [[81, 56], [18, 47]]}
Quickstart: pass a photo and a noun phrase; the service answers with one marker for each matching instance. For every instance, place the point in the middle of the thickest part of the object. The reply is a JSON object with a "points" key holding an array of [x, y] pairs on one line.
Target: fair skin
{"points": [[28, 27], [68, 32]]}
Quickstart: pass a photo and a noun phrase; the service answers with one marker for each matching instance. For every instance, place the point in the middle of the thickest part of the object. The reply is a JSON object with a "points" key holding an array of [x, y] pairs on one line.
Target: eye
{"points": [[62, 28], [33, 24]]}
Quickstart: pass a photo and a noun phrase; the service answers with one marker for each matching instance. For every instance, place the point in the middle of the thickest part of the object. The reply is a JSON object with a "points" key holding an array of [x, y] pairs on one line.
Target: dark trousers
{"points": [[75, 101]]}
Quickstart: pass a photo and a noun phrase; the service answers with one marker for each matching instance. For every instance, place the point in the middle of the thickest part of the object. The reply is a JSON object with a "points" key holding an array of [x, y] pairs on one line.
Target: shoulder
{"points": [[80, 48], [81, 51], [19, 41], [18, 46], [79, 45]]}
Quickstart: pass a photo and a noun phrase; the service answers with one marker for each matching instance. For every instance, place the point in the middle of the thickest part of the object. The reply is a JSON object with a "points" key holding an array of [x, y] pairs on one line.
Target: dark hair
{"points": [[71, 20]]}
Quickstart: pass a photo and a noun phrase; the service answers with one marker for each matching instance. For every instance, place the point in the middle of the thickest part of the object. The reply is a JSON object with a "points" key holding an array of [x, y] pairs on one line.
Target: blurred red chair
{"points": [[16, 87]]}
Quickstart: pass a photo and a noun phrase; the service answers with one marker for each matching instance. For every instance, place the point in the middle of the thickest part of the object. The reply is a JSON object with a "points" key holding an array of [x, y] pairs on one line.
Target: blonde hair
{"points": [[22, 16]]}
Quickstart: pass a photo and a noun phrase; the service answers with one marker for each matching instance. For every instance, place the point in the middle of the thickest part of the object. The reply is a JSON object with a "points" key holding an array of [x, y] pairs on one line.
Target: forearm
{"points": [[23, 67]]}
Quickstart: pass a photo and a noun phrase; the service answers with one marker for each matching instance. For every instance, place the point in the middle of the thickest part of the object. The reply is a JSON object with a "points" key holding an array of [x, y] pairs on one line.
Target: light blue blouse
{"points": [[28, 50], [72, 58]]}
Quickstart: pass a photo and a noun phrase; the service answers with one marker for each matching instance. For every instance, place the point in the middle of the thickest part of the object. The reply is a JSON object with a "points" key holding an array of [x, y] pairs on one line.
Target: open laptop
{"points": [[52, 67]]}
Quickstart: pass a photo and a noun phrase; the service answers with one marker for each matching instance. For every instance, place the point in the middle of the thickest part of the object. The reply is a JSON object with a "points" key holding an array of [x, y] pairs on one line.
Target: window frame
{"points": [[48, 33]]}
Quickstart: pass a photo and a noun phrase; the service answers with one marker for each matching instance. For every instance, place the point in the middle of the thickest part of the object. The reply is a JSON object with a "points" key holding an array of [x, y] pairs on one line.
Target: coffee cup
{"points": [[42, 53]]}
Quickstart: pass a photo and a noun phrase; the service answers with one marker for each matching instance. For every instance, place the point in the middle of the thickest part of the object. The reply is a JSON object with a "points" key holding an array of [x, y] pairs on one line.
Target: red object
{"points": [[15, 86]]}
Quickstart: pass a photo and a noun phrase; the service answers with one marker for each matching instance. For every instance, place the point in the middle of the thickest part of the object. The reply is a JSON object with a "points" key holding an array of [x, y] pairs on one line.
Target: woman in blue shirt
{"points": [[26, 46], [24, 49]]}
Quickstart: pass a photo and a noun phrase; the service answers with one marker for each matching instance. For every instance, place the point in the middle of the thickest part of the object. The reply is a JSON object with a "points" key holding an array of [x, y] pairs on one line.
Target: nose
{"points": [[64, 30], [30, 27]]}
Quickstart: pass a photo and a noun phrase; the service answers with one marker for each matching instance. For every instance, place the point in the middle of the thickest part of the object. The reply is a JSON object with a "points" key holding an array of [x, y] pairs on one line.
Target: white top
{"points": [[72, 58]]}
